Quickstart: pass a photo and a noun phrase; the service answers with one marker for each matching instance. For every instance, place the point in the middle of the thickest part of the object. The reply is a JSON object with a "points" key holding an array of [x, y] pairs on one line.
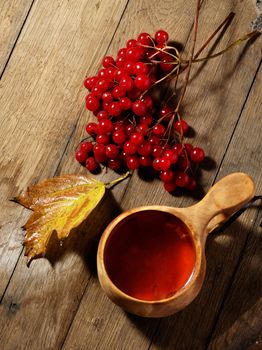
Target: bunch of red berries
{"points": [[133, 130]]}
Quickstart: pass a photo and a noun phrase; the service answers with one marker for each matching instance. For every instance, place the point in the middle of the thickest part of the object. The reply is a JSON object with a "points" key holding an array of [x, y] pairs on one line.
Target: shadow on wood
{"points": [[84, 239], [167, 332]]}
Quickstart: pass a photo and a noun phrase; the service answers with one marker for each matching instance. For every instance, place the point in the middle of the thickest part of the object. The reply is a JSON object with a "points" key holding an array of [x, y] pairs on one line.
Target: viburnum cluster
{"points": [[133, 129]]}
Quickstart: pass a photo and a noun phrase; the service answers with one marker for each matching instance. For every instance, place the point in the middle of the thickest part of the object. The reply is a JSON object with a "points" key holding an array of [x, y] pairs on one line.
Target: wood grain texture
{"points": [[239, 324], [42, 304], [12, 16], [216, 99], [41, 97]]}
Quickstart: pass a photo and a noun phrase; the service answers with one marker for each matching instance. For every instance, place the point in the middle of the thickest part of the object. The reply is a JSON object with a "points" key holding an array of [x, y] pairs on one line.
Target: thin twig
{"points": [[226, 20], [191, 57], [235, 43]]}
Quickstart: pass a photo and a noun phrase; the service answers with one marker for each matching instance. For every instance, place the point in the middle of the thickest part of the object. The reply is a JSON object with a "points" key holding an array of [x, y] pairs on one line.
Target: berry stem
{"points": [[229, 47], [111, 184], [191, 57], [226, 21]]}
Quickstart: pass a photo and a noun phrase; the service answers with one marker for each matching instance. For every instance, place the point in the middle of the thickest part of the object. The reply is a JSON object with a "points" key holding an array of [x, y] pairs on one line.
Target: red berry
{"points": [[91, 129], [119, 137], [86, 147], [102, 115], [161, 37], [114, 164], [133, 54], [108, 61], [119, 74], [170, 186], [112, 151], [140, 68], [178, 148], [104, 139], [107, 97], [188, 147], [125, 103], [197, 155], [167, 176], [119, 126], [80, 156], [143, 128], [157, 151], [89, 83], [137, 138], [106, 106], [159, 130], [130, 129], [181, 127], [145, 148], [130, 148], [154, 140], [132, 162], [92, 103], [164, 164], [142, 82], [114, 109], [172, 155], [139, 108], [119, 92], [162, 52], [100, 152], [126, 83], [120, 61], [104, 127], [182, 179], [110, 72], [157, 164], [128, 66], [148, 120], [166, 65], [145, 161], [148, 101], [91, 164], [131, 43], [145, 39], [102, 73], [166, 113], [122, 52]]}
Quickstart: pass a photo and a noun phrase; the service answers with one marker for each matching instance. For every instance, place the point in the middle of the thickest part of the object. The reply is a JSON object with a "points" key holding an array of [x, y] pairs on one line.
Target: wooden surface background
{"points": [[46, 49]]}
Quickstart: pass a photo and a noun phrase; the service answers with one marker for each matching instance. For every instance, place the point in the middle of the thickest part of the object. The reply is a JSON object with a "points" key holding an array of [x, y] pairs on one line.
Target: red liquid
{"points": [[150, 255]]}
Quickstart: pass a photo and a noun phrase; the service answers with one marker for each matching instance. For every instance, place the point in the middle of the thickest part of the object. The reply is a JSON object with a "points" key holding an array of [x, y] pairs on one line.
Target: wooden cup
{"points": [[221, 201]]}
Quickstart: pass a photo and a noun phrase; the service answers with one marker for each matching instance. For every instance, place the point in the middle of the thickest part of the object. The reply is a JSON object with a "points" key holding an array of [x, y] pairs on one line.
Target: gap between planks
{"points": [[214, 180], [16, 40], [55, 173]]}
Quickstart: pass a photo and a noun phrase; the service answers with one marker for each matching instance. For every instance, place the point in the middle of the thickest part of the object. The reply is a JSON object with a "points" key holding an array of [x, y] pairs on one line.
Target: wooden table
{"points": [[46, 49]]}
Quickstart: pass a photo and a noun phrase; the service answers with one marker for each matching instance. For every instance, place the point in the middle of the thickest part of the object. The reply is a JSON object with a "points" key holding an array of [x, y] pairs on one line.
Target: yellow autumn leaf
{"points": [[59, 204]]}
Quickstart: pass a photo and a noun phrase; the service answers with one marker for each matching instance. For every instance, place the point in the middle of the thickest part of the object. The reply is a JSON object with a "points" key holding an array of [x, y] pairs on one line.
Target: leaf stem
{"points": [[114, 182]]}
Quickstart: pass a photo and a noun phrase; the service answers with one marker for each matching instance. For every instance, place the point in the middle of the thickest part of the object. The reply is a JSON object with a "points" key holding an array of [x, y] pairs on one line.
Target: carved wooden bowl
{"points": [[222, 200]]}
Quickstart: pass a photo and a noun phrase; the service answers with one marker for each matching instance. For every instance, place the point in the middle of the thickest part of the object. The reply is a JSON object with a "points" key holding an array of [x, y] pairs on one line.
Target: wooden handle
{"points": [[222, 200]]}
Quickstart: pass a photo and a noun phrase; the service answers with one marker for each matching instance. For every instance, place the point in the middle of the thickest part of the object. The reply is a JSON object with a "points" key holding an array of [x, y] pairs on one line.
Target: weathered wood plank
{"points": [[12, 16], [41, 98], [55, 279], [204, 99], [239, 325]]}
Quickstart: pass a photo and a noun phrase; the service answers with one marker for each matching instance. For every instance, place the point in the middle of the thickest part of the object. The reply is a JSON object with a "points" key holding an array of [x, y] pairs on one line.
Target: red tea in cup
{"points": [[150, 255]]}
